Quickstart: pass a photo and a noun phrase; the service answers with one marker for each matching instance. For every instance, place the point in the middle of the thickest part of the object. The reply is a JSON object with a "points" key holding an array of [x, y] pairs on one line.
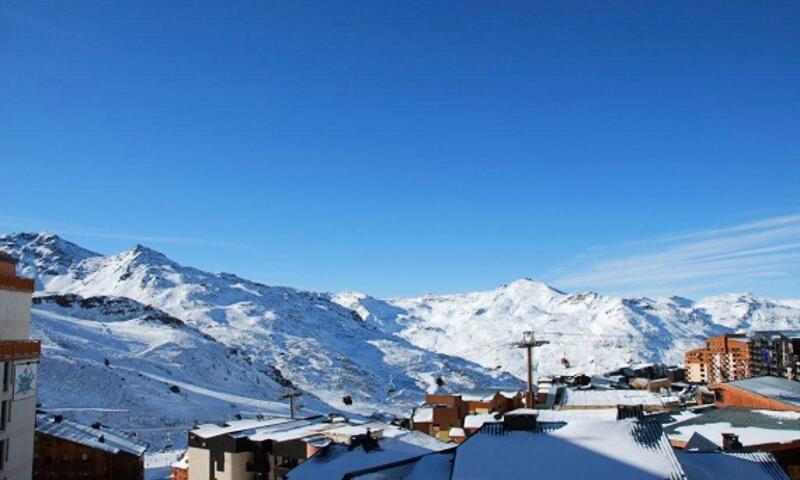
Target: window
{"points": [[84, 456]]}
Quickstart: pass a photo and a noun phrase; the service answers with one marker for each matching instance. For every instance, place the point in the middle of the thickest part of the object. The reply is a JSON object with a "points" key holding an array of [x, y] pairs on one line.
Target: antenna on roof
{"points": [[529, 342], [291, 396]]}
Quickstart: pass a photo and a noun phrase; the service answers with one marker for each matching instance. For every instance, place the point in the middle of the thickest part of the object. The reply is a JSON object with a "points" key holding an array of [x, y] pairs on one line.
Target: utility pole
{"points": [[291, 396], [528, 342]]}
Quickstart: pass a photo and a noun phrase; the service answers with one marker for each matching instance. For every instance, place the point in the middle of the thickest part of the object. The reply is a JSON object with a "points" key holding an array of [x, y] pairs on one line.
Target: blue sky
{"points": [[407, 147]]}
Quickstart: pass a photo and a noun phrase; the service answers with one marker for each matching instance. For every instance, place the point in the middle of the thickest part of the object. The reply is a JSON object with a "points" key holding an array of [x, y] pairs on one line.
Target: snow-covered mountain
{"points": [[227, 343], [149, 345], [588, 332]]}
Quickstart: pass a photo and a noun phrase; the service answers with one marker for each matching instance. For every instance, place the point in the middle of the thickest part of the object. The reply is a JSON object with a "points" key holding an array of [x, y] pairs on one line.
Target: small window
{"points": [[84, 456]]}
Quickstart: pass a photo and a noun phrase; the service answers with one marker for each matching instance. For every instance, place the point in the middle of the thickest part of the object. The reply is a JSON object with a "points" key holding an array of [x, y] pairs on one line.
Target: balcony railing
{"points": [[10, 349], [20, 284]]}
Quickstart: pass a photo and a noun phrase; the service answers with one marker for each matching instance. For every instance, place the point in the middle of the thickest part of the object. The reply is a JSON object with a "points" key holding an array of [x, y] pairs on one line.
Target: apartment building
{"points": [[778, 353], [724, 358], [736, 356], [267, 448], [19, 360]]}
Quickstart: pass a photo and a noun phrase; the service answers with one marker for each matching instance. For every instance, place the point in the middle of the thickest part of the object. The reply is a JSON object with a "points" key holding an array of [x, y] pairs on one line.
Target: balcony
{"points": [[13, 349], [17, 284]]}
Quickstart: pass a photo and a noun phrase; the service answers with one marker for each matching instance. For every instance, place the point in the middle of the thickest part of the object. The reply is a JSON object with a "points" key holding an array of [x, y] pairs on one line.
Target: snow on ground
{"points": [[781, 415], [157, 465], [183, 345], [588, 332], [186, 346]]}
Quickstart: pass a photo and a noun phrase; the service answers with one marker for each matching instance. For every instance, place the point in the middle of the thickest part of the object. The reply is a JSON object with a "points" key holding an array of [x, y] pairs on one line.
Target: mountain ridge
{"points": [[382, 355]]}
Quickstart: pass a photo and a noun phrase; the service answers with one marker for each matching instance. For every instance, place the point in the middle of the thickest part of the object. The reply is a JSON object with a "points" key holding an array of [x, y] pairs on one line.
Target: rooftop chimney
{"points": [[520, 419], [730, 442], [630, 411]]}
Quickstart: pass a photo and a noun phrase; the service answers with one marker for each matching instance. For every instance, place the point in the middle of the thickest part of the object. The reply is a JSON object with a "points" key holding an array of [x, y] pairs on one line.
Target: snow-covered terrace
{"points": [[612, 398]]}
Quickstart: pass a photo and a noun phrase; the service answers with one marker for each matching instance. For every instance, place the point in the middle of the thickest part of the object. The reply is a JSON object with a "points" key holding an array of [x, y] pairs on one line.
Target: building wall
{"points": [[57, 458], [696, 373], [15, 315], [19, 438], [725, 358], [20, 414], [235, 467], [199, 462], [728, 396]]}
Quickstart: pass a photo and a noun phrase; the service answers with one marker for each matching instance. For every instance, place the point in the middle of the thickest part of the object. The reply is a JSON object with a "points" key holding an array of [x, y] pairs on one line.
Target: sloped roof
{"points": [[433, 466], [775, 388], [730, 466], [486, 394], [423, 415], [209, 430], [754, 427], [101, 438], [338, 461], [700, 443], [478, 419], [625, 449]]}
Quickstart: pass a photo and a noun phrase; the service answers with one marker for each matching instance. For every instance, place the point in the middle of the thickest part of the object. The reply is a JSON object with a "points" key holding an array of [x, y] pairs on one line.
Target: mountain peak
{"points": [[529, 284], [144, 255], [43, 253]]}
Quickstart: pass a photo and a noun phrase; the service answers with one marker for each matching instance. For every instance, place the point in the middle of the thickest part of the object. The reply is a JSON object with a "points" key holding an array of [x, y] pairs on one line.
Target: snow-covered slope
{"points": [[231, 344], [114, 360], [588, 332], [318, 345]]}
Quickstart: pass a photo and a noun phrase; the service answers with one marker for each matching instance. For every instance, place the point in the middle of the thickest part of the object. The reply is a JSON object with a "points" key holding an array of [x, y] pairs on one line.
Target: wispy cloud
{"points": [[731, 258], [16, 223]]}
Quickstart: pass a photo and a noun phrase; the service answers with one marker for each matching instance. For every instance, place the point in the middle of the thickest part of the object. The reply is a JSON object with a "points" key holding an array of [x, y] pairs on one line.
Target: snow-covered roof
{"points": [[338, 460], [209, 430], [457, 432], [753, 427], [287, 431], [477, 420], [579, 415], [775, 388], [609, 398], [182, 463], [433, 466], [622, 450], [313, 431], [423, 415], [486, 395], [730, 466], [101, 438]]}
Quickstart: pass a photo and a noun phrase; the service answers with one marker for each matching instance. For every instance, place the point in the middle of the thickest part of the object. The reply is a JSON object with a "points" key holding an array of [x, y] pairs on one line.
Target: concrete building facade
{"points": [[732, 357], [724, 358], [19, 361]]}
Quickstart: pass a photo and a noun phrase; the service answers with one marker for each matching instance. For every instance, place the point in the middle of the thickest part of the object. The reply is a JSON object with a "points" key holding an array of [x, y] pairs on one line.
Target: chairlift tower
{"points": [[291, 396], [529, 342]]}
